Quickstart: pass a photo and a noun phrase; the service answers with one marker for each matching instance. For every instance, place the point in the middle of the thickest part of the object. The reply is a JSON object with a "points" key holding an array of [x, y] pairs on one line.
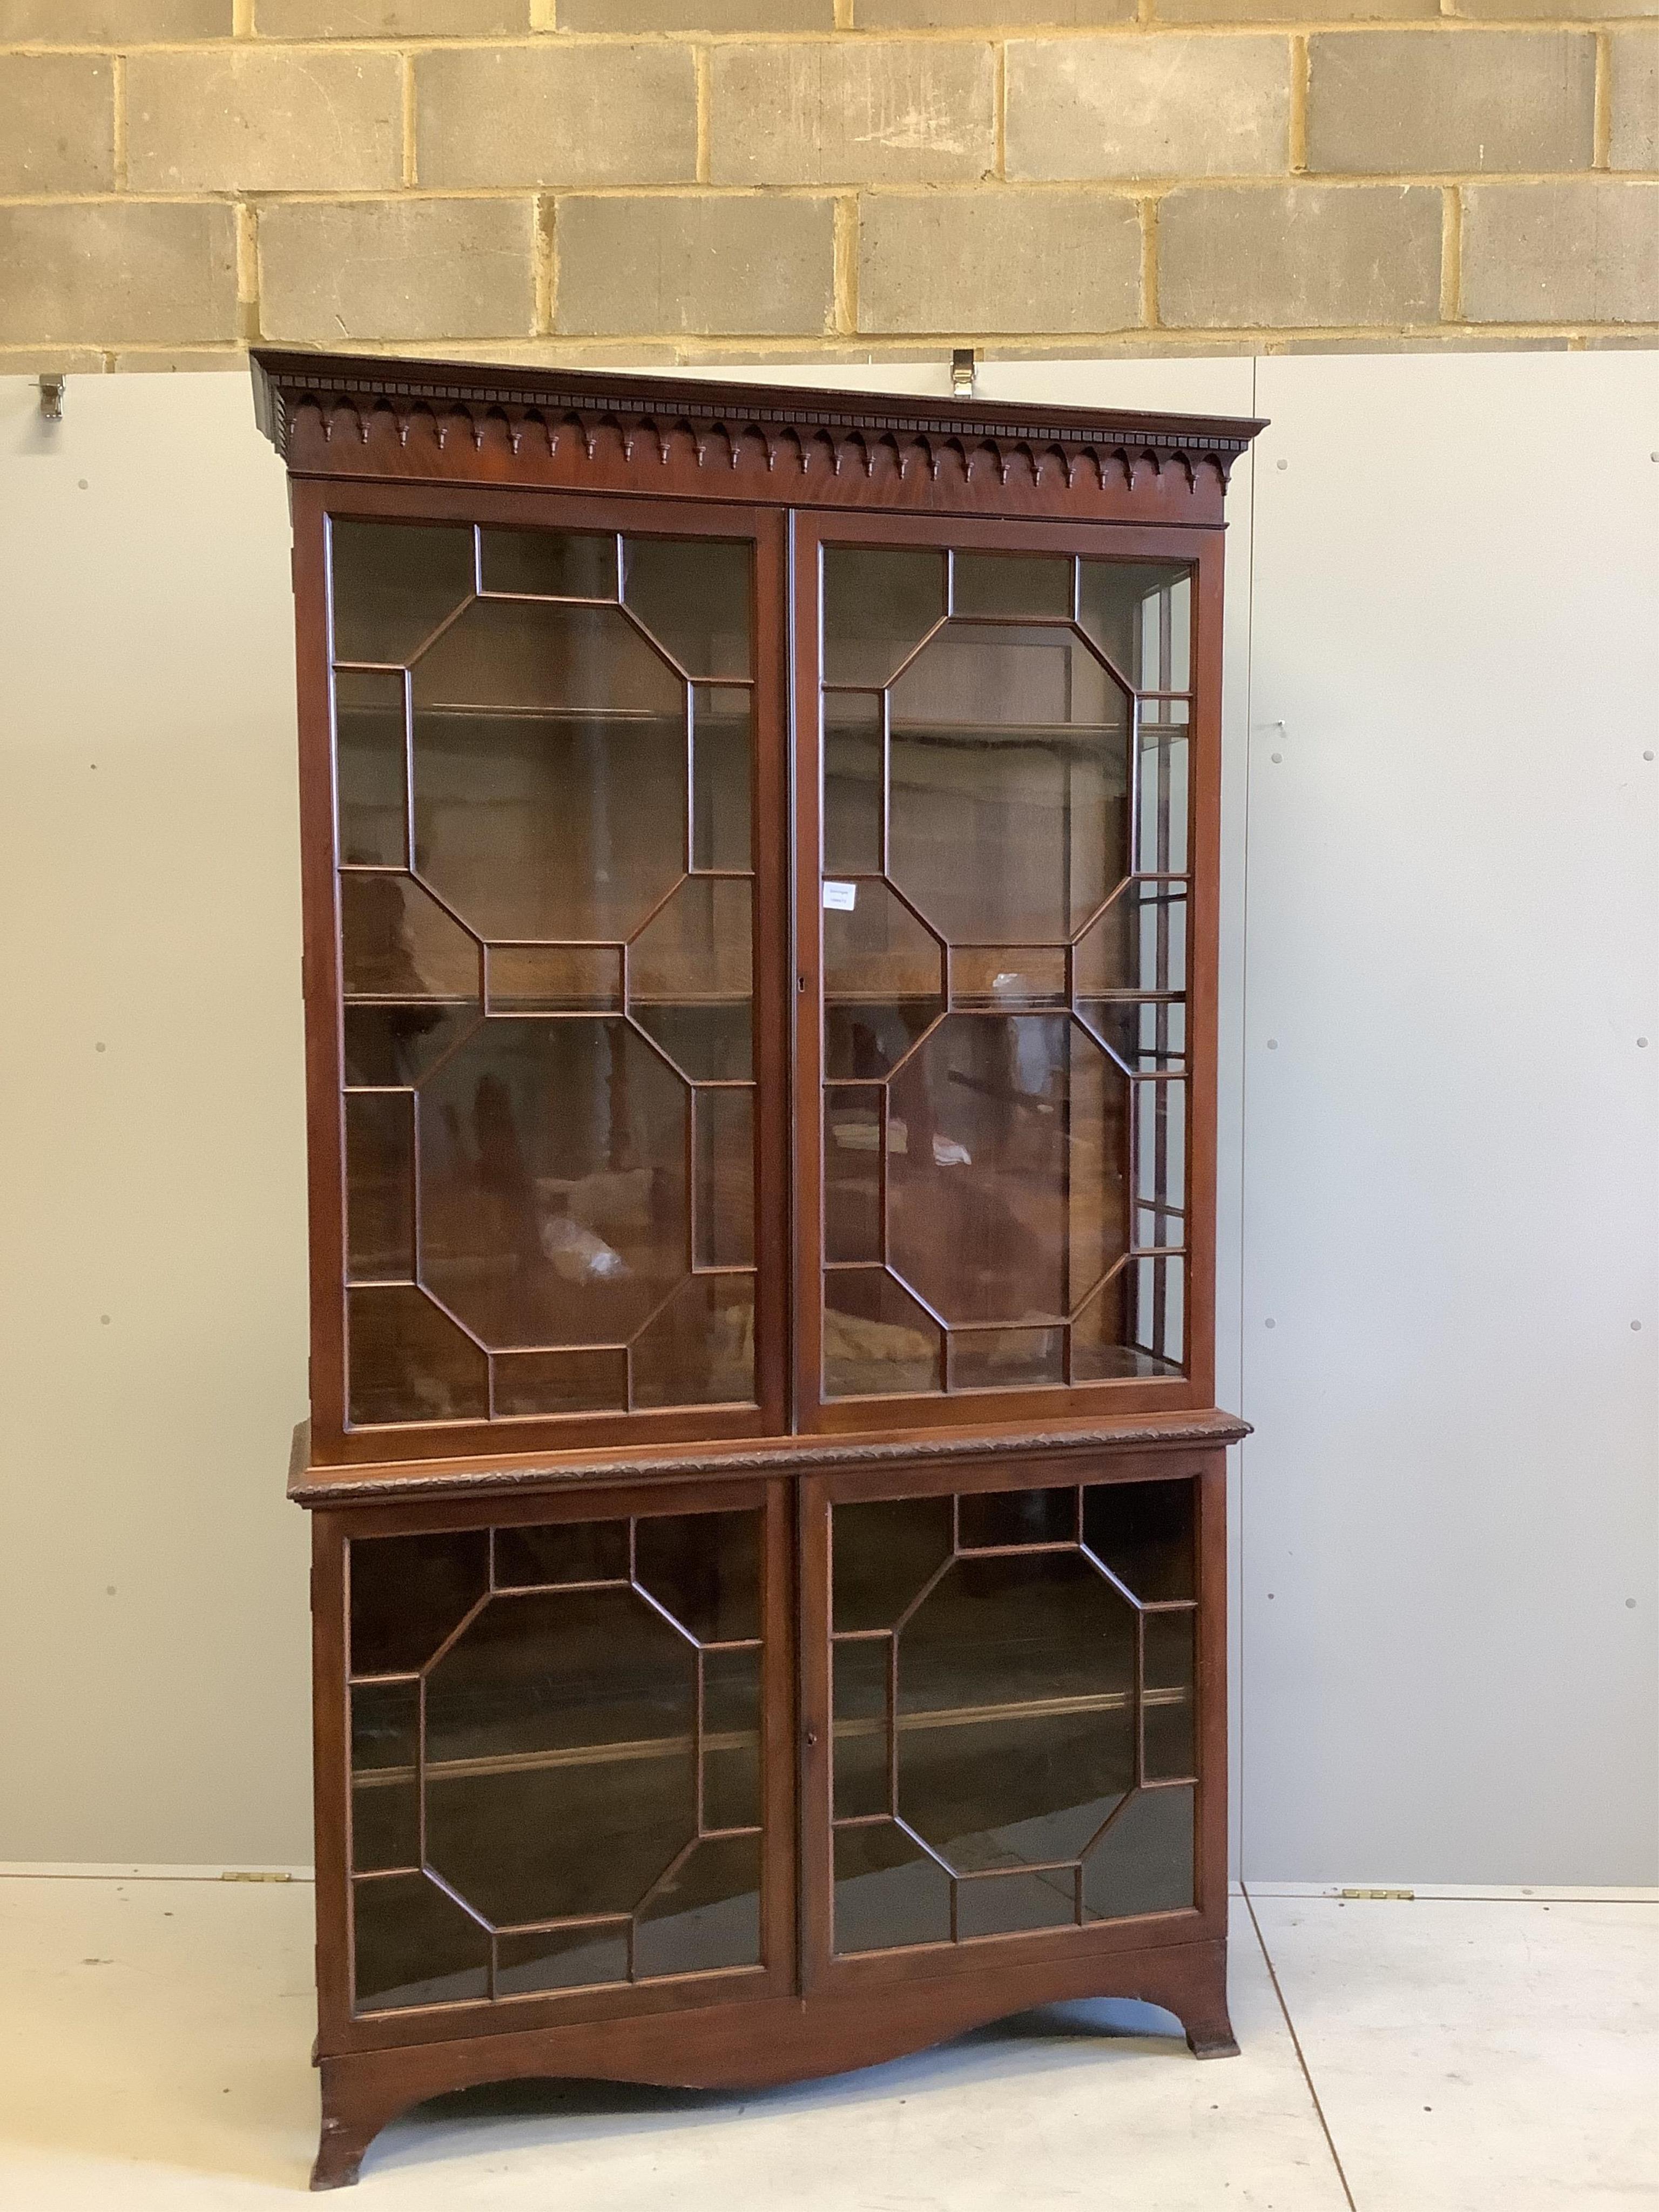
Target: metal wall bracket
{"points": [[51, 398], [961, 372]]}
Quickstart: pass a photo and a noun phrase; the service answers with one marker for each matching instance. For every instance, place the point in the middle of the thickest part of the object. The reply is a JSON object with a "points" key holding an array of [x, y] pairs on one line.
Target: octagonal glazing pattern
{"points": [[556, 1757], [1004, 803], [543, 747], [1013, 1677]]}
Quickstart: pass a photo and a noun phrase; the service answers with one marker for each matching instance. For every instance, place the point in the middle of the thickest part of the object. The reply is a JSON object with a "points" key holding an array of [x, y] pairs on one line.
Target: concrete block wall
{"points": [[657, 180]]}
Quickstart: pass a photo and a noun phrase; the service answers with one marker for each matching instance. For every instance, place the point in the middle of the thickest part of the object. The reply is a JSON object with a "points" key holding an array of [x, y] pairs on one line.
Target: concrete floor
{"points": [[1448, 2055]]}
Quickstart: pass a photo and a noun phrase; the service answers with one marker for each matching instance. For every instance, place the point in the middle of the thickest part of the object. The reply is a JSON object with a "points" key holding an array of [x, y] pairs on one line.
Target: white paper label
{"points": [[840, 898]]}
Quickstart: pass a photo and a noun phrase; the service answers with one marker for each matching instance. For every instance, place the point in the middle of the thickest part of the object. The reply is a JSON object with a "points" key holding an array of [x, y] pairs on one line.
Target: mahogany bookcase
{"points": [[759, 852]]}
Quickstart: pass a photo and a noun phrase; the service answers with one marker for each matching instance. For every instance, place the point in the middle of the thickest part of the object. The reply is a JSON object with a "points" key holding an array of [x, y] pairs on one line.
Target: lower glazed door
{"points": [[1013, 1718], [567, 1785]]}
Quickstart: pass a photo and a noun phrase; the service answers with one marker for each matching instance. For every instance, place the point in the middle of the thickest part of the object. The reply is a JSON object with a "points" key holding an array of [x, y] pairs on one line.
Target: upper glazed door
{"points": [[1006, 754], [556, 1013]]}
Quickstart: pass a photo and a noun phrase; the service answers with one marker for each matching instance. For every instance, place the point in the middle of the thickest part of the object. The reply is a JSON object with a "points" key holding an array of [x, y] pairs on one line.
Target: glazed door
{"points": [[1014, 1715], [1006, 770], [555, 1760], [546, 975]]}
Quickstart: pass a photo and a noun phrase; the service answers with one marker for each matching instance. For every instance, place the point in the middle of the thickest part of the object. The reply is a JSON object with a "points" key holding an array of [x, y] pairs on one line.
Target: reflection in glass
{"points": [[561, 1551], [888, 1891], [703, 1568], [878, 605], [561, 1958], [1144, 1862], [412, 1945], [1007, 1198], [1170, 1753], [409, 1362], [725, 1208], [1134, 1326], [396, 942], [990, 1520], [1144, 1532], [547, 1227], [555, 979], [692, 594], [877, 1340], [704, 1913], [721, 745], [985, 977], [408, 1593], [555, 564], [385, 1801], [1010, 783], [555, 1718], [371, 769], [388, 1046], [1012, 584], [732, 1740], [576, 1381], [1006, 1359], [884, 1555], [1147, 1036], [862, 1732], [854, 1116], [1161, 827], [393, 583], [691, 978], [1138, 943], [1139, 614], [380, 1155], [1011, 1903], [699, 1350], [852, 783], [883, 982]]}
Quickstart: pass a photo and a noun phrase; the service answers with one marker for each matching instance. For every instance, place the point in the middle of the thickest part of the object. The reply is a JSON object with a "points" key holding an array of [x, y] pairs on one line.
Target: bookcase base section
{"points": [[761, 2043]]}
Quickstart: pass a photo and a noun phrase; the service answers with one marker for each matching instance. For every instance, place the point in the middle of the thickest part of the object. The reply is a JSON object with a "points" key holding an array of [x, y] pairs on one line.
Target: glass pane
{"points": [[690, 979], [550, 747], [721, 739], [853, 1118], [371, 770], [1006, 1359], [1148, 1036], [1007, 1200], [1009, 1904], [385, 1801], [380, 1151], [1170, 1754], [396, 942], [878, 607], [408, 1593], [1015, 1708], [555, 979], [561, 1958], [554, 1207], [731, 1739], [692, 594], [1012, 584], [413, 1946], [1138, 943], [699, 1349], [861, 1729], [1139, 614], [991, 1519], [725, 1178], [557, 1719], [884, 1553], [705, 1914], [391, 1045], [561, 1551], [1160, 1162], [704, 1569], [1161, 833], [852, 783], [877, 1340], [888, 1891], [551, 563], [1008, 783], [575, 1382], [393, 583], [1144, 1532], [1144, 1862], [996, 976], [407, 1361], [883, 980], [1112, 1338]]}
